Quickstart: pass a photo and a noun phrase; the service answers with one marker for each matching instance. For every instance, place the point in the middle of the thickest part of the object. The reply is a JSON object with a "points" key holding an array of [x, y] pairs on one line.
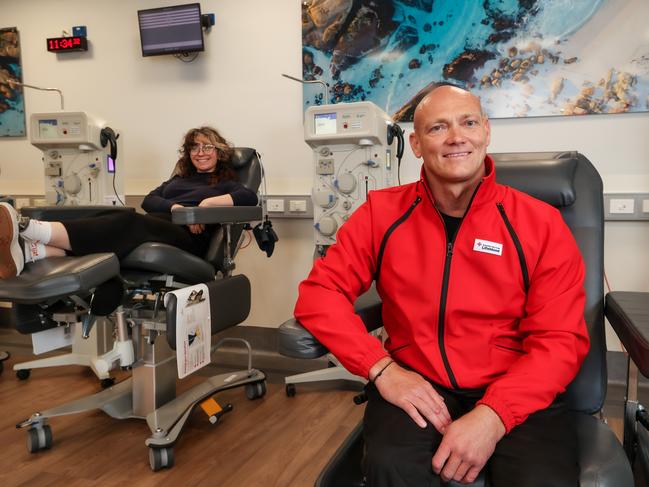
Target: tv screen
{"points": [[171, 30]]}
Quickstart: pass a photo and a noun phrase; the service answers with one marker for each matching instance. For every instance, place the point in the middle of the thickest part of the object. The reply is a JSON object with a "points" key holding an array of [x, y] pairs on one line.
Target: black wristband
{"points": [[373, 381]]}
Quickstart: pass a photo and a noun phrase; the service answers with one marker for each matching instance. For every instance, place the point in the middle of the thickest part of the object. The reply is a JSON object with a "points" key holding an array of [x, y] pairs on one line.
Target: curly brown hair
{"points": [[223, 171]]}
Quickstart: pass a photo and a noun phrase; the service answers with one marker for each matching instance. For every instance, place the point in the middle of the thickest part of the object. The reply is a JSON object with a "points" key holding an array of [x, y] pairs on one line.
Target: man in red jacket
{"points": [[483, 299]]}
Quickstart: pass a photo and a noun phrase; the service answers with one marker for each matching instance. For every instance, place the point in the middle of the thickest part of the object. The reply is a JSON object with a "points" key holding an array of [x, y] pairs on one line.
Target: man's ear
{"points": [[414, 144], [487, 126]]}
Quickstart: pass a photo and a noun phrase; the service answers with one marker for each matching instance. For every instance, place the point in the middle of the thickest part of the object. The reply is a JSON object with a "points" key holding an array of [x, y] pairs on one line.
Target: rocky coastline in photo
{"points": [[516, 54]]}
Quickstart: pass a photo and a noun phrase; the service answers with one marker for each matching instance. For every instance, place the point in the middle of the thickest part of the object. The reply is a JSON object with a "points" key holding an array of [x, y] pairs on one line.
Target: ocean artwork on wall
{"points": [[12, 102], [524, 58]]}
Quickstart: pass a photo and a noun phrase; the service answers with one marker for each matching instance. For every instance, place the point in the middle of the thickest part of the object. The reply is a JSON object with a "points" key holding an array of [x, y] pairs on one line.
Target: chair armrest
{"points": [[628, 313], [219, 214], [297, 342], [63, 213]]}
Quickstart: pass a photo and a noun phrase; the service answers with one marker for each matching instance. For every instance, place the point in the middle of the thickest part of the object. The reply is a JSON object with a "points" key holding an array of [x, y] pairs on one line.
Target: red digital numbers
{"points": [[58, 44]]}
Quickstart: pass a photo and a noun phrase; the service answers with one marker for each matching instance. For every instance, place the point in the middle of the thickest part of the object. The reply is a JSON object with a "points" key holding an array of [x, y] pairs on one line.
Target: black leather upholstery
{"points": [[165, 259], [155, 257], [295, 341], [574, 179], [62, 213], [569, 182], [58, 277], [550, 180], [229, 305]]}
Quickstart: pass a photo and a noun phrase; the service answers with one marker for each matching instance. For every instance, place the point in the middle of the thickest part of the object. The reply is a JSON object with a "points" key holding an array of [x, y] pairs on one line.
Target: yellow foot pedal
{"points": [[214, 410]]}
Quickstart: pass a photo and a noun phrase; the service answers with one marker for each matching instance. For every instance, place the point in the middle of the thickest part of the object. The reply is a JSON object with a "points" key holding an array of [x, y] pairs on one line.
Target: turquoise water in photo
{"points": [[12, 121], [455, 27]]}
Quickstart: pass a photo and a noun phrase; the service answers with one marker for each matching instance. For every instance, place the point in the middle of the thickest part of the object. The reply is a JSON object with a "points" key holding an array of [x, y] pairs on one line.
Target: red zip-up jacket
{"points": [[500, 307]]}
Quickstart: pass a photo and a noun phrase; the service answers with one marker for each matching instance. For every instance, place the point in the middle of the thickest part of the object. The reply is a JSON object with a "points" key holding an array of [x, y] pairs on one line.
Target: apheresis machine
{"points": [[80, 158], [356, 148]]}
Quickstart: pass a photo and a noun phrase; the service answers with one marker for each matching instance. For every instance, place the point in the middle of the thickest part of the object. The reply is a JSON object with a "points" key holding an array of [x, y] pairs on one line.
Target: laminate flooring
{"points": [[272, 441]]}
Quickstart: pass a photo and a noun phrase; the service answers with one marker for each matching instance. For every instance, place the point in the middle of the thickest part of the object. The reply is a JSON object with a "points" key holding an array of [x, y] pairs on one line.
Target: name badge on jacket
{"points": [[488, 247]]}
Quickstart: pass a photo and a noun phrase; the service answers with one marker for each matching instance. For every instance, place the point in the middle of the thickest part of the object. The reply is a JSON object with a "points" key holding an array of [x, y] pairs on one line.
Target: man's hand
{"points": [[467, 445], [412, 393]]}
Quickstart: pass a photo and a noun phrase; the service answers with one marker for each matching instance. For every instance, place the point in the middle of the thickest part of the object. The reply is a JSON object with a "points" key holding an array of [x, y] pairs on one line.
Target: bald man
{"points": [[483, 300]]}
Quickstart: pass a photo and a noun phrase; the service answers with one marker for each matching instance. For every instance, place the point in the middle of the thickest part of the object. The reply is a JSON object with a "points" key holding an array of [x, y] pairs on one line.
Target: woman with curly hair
{"points": [[203, 177]]}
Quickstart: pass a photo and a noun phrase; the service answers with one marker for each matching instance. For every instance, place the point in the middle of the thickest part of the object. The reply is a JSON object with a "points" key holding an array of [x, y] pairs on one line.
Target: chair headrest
{"points": [[241, 157], [550, 180]]}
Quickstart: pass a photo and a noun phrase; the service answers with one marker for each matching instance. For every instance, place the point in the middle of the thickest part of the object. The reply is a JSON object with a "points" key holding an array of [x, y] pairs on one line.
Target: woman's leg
{"points": [[122, 231], [60, 238], [36, 251], [53, 234]]}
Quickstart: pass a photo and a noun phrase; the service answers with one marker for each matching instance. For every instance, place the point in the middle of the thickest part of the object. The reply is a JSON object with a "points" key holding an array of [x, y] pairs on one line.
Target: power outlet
{"points": [[297, 206], [620, 205], [22, 202], [626, 206], [275, 205]]}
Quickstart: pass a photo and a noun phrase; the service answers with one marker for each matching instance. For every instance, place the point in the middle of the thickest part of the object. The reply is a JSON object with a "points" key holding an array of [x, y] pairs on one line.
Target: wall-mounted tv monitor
{"points": [[171, 30]]}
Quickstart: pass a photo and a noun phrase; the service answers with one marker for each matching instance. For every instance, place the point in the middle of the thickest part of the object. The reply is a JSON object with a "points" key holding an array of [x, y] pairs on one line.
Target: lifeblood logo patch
{"points": [[488, 247]]}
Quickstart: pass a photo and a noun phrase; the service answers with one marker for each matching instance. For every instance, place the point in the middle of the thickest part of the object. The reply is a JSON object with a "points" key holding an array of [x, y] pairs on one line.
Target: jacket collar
{"points": [[487, 189]]}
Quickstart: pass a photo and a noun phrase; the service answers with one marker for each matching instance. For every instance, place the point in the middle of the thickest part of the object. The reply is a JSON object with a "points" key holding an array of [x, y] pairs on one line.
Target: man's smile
{"points": [[457, 154]]}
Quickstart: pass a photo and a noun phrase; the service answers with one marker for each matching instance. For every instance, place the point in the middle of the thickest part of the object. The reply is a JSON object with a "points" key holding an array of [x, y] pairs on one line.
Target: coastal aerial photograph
{"points": [[524, 58]]}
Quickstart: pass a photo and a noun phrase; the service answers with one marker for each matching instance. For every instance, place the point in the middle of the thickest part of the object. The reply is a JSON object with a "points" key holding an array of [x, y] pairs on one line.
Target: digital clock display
{"points": [[62, 44]]}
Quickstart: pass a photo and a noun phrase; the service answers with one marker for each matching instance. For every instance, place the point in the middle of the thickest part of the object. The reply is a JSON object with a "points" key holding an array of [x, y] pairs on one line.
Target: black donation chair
{"points": [[568, 181], [138, 296]]}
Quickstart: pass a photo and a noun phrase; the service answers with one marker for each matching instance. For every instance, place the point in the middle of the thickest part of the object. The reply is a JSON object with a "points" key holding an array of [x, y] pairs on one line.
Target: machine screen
{"points": [[110, 164], [325, 123], [47, 129]]}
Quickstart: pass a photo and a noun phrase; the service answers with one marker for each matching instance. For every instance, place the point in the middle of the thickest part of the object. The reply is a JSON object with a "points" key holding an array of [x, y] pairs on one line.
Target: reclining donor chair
{"points": [[568, 181], [144, 296]]}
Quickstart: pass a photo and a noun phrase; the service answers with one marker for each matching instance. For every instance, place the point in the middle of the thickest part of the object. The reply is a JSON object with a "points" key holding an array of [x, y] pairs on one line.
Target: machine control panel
{"points": [[352, 155], [78, 167]]}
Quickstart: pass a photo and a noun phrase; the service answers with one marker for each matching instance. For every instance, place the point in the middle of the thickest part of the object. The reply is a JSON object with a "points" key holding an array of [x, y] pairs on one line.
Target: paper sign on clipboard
{"points": [[193, 328]]}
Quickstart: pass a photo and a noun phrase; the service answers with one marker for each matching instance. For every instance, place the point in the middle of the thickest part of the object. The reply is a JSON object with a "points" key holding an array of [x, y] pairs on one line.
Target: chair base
{"points": [[165, 422], [338, 372], [87, 352]]}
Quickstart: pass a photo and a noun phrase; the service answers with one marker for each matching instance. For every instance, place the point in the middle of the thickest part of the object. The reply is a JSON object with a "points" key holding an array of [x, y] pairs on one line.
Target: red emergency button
{"points": [[345, 125]]}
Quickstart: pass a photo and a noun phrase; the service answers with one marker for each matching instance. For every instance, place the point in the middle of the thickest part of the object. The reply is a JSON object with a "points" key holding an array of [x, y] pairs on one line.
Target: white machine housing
{"points": [[78, 170], [351, 157]]}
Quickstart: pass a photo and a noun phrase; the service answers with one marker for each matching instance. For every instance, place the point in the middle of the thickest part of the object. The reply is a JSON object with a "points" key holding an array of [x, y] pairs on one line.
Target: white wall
{"points": [[236, 86]]}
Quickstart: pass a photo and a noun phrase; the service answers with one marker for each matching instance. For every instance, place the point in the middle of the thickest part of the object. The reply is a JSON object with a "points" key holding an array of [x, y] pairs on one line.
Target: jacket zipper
{"points": [[442, 310], [393, 227], [441, 319], [517, 245]]}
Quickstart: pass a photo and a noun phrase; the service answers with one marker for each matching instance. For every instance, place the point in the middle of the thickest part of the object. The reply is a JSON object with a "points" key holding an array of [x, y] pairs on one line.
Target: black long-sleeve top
{"points": [[190, 191]]}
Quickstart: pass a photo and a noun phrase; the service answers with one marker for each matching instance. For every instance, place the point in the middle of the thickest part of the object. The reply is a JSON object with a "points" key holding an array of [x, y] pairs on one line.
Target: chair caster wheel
{"points": [[255, 390], [290, 390], [39, 438], [23, 374], [106, 383], [160, 458], [360, 398]]}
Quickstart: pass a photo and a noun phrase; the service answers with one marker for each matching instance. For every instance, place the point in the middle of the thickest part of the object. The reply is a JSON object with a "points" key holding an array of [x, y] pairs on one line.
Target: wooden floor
{"points": [[273, 441]]}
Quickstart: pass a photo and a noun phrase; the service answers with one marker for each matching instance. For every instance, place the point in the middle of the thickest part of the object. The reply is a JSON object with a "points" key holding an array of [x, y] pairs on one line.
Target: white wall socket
{"points": [[626, 205]]}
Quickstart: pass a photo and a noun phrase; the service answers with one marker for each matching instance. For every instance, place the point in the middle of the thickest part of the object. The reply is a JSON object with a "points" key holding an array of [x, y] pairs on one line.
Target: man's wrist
{"points": [[493, 418], [378, 366]]}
